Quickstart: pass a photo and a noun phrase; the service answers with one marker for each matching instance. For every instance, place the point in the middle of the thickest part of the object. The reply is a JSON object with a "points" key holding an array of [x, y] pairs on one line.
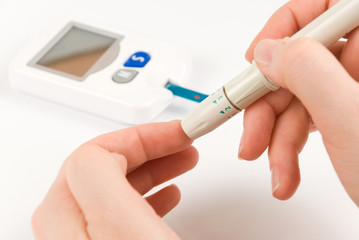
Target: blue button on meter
{"points": [[138, 59]]}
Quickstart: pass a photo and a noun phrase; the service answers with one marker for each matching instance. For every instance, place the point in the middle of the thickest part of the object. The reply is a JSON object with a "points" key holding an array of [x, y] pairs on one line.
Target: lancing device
{"points": [[250, 85]]}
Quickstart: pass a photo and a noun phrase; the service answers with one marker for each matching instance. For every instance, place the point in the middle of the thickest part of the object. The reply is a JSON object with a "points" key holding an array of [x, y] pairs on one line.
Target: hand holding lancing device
{"points": [[319, 89]]}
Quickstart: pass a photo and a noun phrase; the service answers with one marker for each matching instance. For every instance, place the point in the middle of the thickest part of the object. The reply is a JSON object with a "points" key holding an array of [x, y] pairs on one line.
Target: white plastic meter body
{"points": [[108, 72]]}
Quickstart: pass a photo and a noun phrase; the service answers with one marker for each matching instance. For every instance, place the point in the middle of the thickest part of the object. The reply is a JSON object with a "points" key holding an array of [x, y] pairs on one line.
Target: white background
{"points": [[223, 197]]}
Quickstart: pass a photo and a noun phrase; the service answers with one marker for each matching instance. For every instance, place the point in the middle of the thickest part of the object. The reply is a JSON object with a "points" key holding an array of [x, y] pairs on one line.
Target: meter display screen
{"points": [[76, 52]]}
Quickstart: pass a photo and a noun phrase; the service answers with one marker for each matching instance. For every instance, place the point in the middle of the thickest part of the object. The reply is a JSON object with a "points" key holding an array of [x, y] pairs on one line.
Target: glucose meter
{"points": [[109, 72]]}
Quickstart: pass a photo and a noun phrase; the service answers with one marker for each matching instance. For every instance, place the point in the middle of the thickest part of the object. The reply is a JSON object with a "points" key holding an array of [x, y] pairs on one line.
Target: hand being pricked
{"points": [[98, 193]]}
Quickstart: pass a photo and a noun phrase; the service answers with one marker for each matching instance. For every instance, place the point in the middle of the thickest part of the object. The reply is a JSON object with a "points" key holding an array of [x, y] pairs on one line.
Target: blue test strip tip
{"points": [[185, 93]]}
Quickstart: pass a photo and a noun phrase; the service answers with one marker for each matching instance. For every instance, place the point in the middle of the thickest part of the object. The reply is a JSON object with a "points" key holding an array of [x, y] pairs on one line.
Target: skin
{"points": [[319, 91], [98, 193]]}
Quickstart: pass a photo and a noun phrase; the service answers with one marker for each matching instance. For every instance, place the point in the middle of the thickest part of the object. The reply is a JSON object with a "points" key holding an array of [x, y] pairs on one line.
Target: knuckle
{"points": [[80, 157], [295, 56], [299, 51]]}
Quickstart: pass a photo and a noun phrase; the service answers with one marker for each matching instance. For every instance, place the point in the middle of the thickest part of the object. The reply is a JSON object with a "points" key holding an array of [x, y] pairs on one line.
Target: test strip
{"points": [[185, 93]]}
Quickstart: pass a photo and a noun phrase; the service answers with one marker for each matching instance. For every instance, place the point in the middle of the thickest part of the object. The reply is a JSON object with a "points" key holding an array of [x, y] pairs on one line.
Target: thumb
{"points": [[317, 79]]}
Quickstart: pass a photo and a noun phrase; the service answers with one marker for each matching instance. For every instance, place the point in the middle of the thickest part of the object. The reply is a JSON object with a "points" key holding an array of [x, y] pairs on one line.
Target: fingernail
{"points": [[266, 50], [240, 149], [275, 179]]}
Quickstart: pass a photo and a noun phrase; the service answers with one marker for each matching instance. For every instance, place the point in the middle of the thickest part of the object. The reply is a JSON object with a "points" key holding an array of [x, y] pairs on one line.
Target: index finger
{"points": [[145, 142], [289, 19]]}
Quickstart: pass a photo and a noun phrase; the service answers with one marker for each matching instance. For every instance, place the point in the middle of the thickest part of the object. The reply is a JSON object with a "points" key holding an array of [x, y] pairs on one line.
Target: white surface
{"points": [[222, 198]]}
